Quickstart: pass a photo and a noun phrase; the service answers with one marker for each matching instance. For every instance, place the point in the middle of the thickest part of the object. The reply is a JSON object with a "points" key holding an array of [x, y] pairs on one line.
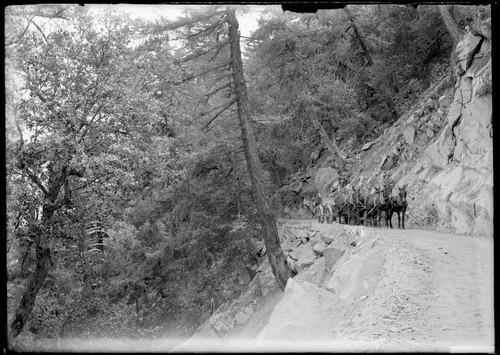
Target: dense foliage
{"points": [[128, 125], [314, 65]]}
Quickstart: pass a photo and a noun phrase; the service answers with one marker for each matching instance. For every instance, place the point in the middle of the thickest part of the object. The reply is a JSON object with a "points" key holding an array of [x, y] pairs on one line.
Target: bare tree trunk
{"points": [[43, 264], [237, 192], [387, 98], [332, 146], [58, 177], [360, 39], [281, 270], [454, 30]]}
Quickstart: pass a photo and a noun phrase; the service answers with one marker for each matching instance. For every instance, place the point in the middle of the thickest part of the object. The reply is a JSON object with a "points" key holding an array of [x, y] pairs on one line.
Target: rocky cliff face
{"points": [[462, 189]]}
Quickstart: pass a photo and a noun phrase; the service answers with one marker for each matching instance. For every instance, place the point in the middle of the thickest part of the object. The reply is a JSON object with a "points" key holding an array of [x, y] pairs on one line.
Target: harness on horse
{"points": [[397, 201], [345, 195], [375, 204], [358, 202]]}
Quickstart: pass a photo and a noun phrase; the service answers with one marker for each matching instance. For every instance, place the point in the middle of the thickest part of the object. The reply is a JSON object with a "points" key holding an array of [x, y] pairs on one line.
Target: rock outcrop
{"points": [[230, 316]]}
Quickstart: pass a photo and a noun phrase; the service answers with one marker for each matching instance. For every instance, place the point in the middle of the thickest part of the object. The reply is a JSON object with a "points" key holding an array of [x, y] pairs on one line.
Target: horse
{"points": [[358, 205], [343, 206], [372, 205], [319, 213], [324, 210], [318, 210], [329, 212], [398, 204], [384, 205]]}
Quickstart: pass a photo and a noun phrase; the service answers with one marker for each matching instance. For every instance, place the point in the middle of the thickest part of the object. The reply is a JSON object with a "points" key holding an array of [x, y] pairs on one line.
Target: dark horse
{"points": [[398, 204], [358, 205], [343, 206], [385, 205], [374, 205]]}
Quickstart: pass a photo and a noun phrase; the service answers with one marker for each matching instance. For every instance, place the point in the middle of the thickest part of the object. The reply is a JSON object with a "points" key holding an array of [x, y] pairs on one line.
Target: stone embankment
{"points": [[360, 288]]}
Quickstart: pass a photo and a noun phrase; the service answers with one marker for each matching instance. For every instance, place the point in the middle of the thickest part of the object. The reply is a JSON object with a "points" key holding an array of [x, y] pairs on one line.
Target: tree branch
{"points": [[22, 34], [191, 77], [217, 79], [39, 29], [87, 125], [283, 51], [220, 112], [216, 53], [210, 111], [218, 89], [200, 53], [36, 180], [434, 41], [211, 29], [122, 132], [453, 28], [57, 14], [252, 38], [182, 22]]}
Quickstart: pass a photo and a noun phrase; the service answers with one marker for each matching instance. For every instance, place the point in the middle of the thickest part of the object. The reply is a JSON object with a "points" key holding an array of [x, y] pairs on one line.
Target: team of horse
{"points": [[358, 208]]}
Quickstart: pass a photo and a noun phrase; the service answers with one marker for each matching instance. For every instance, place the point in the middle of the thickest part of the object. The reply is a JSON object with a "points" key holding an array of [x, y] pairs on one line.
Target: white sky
{"points": [[248, 21]]}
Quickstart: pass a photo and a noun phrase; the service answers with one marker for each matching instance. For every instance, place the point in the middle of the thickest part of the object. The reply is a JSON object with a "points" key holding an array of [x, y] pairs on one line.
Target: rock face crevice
{"points": [[464, 195]]}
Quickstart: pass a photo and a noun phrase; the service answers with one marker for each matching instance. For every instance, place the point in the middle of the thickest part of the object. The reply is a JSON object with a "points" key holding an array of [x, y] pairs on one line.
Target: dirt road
{"points": [[409, 290], [461, 278]]}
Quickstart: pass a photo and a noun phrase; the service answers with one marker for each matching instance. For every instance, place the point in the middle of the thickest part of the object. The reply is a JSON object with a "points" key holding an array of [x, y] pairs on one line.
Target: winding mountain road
{"points": [[428, 291]]}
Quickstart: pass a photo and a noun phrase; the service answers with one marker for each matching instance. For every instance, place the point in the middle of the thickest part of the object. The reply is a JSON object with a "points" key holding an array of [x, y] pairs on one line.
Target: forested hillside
{"points": [[147, 159]]}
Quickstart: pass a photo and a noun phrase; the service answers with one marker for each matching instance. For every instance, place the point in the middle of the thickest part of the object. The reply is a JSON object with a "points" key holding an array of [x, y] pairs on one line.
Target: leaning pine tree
{"points": [[212, 37], [275, 254]]}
